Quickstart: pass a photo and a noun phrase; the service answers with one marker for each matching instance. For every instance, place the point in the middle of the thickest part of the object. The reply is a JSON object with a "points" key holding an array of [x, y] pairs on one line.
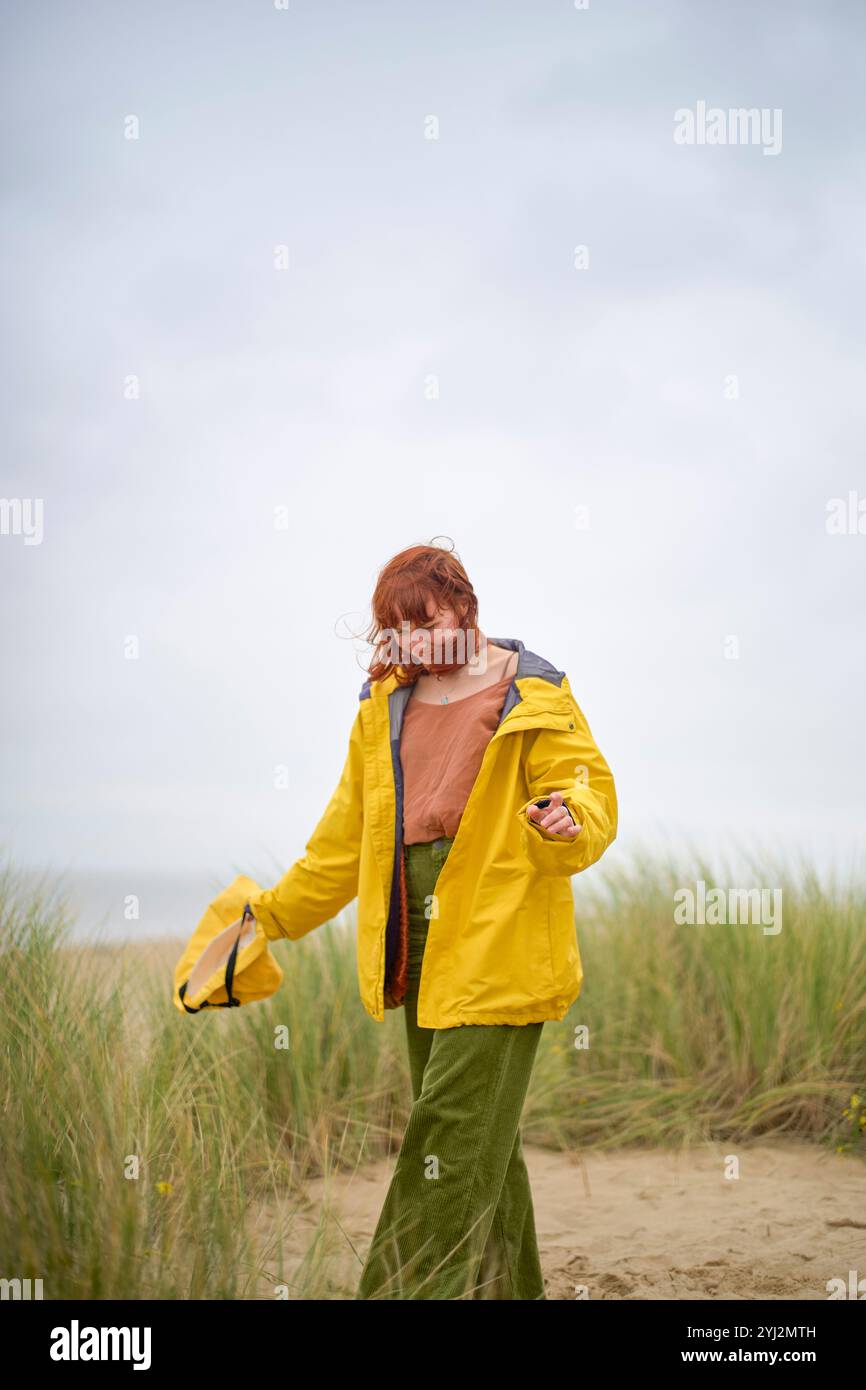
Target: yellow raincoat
{"points": [[501, 945]]}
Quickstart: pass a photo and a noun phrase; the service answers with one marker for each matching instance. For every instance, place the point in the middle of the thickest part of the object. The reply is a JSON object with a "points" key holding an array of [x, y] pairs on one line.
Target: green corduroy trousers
{"points": [[458, 1220]]}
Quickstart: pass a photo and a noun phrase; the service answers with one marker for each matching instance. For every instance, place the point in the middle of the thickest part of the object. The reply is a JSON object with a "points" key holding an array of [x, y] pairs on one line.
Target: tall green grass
{"points": [[709, 1032], [149, 1154]]}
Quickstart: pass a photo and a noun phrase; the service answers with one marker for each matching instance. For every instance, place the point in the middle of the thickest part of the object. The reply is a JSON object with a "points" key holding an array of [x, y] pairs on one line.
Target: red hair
{"points": [[404, 588]]}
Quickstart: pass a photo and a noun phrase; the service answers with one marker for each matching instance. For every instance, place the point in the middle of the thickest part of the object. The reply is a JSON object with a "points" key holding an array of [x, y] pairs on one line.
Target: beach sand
{"points": [[652, 1224], [611, 1224]]}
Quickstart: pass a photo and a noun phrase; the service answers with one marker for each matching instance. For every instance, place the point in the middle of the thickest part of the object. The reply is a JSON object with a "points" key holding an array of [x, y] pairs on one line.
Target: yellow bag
{"points": [[223, 968]]}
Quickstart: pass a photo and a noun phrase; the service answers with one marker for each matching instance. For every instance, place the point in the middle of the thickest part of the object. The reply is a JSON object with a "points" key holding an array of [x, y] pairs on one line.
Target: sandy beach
{"points": [[656, 1224]]}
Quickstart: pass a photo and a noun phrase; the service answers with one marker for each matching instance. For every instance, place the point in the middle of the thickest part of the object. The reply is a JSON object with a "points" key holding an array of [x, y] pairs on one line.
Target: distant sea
{"points": [[114, 906], [135, 905]]}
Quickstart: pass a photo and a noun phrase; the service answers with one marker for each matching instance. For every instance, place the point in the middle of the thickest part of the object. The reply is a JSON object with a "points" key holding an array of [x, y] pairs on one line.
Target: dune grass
{"points": [[149, 1154]]}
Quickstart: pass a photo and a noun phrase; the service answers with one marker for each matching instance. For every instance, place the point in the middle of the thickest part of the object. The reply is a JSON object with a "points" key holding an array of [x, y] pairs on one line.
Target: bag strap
{"points": [[232, 1002]]}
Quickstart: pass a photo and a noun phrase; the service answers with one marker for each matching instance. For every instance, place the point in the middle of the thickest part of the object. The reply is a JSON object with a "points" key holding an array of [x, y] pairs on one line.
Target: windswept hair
{"points": [[403, 589]]}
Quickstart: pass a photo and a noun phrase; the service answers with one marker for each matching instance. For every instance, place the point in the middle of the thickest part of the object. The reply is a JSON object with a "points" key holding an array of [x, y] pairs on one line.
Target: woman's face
{"points": [[440, 644]]}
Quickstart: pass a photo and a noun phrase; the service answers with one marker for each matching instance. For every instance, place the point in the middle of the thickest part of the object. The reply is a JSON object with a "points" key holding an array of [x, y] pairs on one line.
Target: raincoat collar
{"points": [[528, 664], [533, 700]]}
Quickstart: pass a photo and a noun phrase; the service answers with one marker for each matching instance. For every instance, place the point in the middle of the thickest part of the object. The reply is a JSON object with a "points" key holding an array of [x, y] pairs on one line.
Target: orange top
{"points": [[441, 748]]}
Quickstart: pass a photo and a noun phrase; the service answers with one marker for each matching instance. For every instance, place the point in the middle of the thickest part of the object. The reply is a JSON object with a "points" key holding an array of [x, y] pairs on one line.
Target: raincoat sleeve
{"points": [[325, 879], [566, 760]]}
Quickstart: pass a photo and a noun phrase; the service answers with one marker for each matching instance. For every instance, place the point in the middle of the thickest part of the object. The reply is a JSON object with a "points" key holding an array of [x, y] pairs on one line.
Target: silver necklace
{"points": [[443, 699]]}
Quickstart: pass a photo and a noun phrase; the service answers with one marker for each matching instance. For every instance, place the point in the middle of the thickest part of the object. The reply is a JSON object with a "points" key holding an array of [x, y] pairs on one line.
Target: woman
{"points": [[472, 790]]}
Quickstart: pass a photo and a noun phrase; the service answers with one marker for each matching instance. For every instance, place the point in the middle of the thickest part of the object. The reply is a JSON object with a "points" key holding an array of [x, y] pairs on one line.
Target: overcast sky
{"points": [[697, 386]]}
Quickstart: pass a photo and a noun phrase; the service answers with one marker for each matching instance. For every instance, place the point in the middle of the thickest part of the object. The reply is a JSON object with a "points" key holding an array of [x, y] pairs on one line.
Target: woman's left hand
{"points": [[555, 818]]}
